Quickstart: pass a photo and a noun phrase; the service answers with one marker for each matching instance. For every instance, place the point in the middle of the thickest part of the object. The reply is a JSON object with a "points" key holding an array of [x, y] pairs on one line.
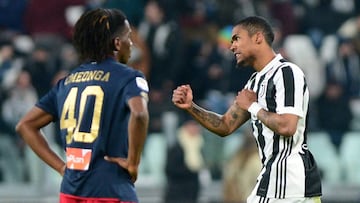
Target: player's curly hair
{"points": [[95, 31]]}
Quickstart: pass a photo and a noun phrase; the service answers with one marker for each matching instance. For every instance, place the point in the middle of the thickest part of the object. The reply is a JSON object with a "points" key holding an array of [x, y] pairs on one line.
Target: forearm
{"points": [[29, 129], [138, 125], [280, 124], [37, 142], [214, 122]]}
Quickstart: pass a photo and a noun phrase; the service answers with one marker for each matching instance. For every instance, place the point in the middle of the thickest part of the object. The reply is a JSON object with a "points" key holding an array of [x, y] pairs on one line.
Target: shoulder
{"points": [[135, 75], [122, 69], [288, 66]]}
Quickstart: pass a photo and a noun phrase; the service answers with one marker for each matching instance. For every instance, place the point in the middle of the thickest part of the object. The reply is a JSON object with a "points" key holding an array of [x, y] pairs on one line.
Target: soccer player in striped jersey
{"points": [[275, 98], [101, 107]]}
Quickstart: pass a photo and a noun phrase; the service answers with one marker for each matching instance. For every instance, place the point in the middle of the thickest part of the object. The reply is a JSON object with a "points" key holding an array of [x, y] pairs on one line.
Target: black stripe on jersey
{"points": [[281, 167], [291, 142], [312, 177], [283, 60], [259, 125], [264, 183], [270, 94], [264, 200], [307, 115], [305, 86], [279, 171], [259, 85], [289, 86], [252, 80], [261, 140]]}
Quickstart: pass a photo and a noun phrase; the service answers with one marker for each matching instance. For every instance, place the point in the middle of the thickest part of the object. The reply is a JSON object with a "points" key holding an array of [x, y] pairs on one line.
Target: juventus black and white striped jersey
{"points": [[289, 169]]}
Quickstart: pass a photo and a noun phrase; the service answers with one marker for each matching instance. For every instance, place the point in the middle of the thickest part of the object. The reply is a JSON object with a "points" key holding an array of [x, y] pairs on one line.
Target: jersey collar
{"points": [[271, 64]]}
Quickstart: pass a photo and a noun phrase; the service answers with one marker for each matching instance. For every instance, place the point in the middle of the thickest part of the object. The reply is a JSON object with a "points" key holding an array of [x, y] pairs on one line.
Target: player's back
{"points": [[91, 105]]}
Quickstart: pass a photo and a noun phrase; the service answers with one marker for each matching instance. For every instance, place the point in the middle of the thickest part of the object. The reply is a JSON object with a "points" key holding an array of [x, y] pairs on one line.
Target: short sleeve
{"points": [[290, 90], [48, 102], [137, 86]]}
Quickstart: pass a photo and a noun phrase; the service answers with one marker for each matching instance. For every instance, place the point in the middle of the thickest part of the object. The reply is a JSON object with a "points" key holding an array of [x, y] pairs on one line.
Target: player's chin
{"points": [[239, 60], [124, 60], [240, 64]]}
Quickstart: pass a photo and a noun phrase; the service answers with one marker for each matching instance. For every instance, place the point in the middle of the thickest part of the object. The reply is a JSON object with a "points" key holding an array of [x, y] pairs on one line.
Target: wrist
{"points": [[254, 108], [61, 170], [133, 167], [190, 107]]}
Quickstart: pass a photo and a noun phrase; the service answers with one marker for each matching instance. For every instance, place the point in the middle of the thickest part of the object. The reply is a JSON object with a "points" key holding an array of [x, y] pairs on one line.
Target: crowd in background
{"points": [[179, 42]]}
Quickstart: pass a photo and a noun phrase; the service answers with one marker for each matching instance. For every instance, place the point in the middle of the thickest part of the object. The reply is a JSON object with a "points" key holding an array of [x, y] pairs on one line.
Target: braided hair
{"points": [[95, 31]]}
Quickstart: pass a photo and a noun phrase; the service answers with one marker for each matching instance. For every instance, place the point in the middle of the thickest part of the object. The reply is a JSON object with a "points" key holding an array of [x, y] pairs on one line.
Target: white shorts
{"points": [[258, 199]]}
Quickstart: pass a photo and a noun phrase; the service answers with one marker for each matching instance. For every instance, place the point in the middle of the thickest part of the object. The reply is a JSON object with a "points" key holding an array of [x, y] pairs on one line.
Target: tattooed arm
{"points": [[221, 125], [282, 124]]}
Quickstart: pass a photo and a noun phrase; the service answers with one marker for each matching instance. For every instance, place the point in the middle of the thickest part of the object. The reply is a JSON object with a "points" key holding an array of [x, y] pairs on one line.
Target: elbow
{"points": [[223, 133], [287, 126], [141, 116], [224, 130], [19, 127], [287, 131]]}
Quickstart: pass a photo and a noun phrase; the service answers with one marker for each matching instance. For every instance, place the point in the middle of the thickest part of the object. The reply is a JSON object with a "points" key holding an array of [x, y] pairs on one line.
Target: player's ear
{"points": [[259, 37], [117, 44]]}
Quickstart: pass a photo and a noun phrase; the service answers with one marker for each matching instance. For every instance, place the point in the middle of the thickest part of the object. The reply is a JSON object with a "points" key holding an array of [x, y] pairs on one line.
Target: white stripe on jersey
{"points": [[289, 168]]}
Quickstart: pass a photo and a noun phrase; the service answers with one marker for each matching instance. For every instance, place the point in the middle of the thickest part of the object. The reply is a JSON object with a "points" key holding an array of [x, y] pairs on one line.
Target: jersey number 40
{"points": [[71, 123]]}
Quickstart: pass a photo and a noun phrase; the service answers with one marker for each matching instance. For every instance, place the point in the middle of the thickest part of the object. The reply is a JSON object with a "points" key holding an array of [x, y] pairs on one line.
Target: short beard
{"points": [[246, 63], [240, 65]]}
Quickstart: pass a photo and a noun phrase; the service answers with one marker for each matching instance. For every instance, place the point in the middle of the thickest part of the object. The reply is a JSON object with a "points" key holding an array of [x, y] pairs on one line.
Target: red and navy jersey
{"points": [[91, 107]]}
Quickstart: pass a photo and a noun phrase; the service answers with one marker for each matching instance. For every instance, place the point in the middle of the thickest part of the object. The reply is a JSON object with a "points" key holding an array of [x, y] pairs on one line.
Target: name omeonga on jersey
{"points": [[85, 76]]}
